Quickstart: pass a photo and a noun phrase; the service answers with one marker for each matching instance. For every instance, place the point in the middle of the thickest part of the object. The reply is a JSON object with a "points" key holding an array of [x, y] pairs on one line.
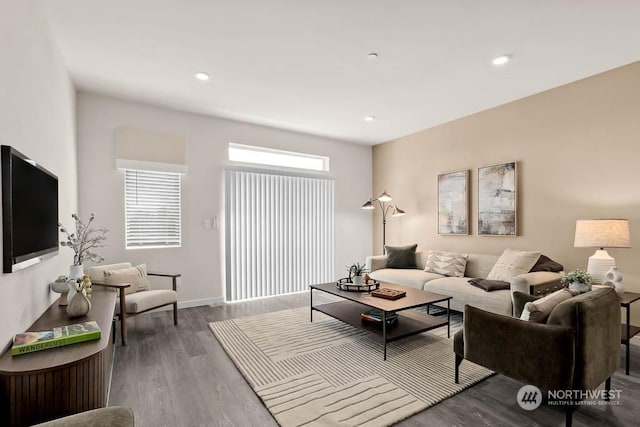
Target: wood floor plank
{"points": [[181, 376]]}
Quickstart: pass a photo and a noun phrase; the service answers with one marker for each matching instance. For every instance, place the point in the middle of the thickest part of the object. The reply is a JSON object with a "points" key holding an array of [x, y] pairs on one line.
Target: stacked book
{"points": [[374, 316]]}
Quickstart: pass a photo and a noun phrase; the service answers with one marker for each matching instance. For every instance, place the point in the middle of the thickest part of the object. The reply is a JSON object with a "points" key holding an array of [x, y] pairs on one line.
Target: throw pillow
{"points": [[539, 310], [135, 276], [545, 263], [513, 263], [401, 256], [490, 285], [446, 263]]}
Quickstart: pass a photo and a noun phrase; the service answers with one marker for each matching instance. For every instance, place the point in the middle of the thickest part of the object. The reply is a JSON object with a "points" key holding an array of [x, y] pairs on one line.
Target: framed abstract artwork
{"points": [[497, 200], [453, 203]]}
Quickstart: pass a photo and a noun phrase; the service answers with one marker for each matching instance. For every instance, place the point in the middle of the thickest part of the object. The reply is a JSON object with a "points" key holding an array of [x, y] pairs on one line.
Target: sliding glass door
{"points": [[279, 233]]}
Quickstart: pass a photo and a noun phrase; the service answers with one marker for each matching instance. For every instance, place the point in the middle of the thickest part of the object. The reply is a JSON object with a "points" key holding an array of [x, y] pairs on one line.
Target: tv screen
{"points": [[29, 211]]}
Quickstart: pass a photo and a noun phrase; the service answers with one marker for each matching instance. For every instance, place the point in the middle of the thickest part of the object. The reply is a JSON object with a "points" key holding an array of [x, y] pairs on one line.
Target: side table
{"points": [[628, 330]]}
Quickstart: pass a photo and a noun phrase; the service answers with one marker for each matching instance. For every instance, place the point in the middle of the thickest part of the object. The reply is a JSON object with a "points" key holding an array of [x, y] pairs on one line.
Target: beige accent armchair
{"points": [[138, 302]]}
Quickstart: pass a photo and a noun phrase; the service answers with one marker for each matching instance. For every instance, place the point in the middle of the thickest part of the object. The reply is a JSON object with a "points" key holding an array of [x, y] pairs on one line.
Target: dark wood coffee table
{"points": [[410, 322]]}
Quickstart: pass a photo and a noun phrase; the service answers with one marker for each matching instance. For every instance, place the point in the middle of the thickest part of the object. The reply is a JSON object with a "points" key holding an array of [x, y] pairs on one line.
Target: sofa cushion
{"points": [[545, 263], [401, 256], [411, 277], [450, 264], [538, 311], [479, 265], [463, 293], [513, 263]]}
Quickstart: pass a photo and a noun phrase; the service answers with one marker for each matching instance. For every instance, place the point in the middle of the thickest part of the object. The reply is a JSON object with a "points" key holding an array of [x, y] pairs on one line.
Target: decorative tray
{"points": [[345, 284]]}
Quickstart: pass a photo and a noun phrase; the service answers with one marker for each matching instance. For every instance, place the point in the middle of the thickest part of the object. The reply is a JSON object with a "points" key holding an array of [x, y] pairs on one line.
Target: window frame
{"points": [[127, 212], [325, 161]]}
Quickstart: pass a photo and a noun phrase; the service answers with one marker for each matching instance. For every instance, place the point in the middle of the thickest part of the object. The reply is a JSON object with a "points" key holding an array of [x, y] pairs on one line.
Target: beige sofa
{"points": [[478, 266]]}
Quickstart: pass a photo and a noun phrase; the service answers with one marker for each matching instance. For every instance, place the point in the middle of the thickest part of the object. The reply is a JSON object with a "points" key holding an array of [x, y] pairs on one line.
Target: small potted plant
{"points": [[356, 271], [578, 280]]}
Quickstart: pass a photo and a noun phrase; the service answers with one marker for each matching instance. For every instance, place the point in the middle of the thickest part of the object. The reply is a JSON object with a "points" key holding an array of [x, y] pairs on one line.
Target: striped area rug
{"points": [[327, 373]]}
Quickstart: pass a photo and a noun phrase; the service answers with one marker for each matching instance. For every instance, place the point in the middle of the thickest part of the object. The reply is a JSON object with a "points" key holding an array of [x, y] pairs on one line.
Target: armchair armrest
{"points": [[376, 262], [536, 283], [533, 353], [174, 277], [115, 286]]}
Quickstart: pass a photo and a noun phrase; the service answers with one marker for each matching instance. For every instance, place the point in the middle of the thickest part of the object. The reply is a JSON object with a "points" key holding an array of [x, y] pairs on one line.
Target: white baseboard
{"points": [[200, 302]]}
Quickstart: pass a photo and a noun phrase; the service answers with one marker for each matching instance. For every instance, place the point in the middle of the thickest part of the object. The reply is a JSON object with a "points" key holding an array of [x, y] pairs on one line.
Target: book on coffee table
{"points": [[387, 293]]}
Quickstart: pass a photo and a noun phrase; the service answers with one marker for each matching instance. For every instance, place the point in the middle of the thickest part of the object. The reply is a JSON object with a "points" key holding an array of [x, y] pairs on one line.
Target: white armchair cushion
{"points": [[135, 276], [142, 301], [97, 271]]}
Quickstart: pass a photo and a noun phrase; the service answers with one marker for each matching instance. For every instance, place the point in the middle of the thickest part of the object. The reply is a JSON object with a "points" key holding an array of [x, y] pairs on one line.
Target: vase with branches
{"points": [[84, 241]]}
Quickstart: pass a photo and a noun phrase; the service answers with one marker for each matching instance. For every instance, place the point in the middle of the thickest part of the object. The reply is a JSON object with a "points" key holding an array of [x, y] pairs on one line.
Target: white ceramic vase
{"points": [[76, 271], [613, 278], [79, 305], [580, 287], [357, 280]]}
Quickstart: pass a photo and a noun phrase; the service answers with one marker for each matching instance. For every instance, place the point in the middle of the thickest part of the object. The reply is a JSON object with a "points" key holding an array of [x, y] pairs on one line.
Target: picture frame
{"points": [[453, 203], [498, 200]]}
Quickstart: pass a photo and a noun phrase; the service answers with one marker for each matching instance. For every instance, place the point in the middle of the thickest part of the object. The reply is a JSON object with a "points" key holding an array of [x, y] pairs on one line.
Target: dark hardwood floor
{"points": [[180, 376]]}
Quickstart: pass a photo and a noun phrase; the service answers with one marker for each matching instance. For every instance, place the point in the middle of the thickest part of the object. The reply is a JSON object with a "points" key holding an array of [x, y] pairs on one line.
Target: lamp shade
{"points": [[397, 211], [368, 205], [602, 233], [384, 197]]}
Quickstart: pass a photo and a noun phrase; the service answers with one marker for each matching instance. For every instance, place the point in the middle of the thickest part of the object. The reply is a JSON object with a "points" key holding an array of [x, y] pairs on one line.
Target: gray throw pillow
{"points": [[401, 256]]}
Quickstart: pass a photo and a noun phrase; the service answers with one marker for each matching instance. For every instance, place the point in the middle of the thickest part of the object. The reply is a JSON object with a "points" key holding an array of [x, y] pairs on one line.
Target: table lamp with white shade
{"points": [[601, 234]]}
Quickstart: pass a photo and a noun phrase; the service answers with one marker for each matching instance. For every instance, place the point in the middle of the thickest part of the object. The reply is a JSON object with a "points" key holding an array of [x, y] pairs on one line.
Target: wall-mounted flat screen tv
{"points": [[29, 211]]}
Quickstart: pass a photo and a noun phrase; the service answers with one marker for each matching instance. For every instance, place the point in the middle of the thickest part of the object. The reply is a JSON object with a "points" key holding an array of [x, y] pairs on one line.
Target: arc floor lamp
{"points": [[383, 201]]}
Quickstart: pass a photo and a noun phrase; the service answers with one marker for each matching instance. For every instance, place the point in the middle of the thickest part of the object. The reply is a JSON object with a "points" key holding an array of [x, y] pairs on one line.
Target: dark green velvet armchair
{"points": [[578, 348]]}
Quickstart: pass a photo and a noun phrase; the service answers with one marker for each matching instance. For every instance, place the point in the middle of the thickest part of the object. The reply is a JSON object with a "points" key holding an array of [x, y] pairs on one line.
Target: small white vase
{"points": [[613, 275], [79, 305], [76, 271], [619, 287], [357, 280]]}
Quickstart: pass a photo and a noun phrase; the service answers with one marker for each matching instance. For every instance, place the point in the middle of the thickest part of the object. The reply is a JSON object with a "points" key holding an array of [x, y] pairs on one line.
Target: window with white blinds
{"points": [[152, 209], [280, 234]]}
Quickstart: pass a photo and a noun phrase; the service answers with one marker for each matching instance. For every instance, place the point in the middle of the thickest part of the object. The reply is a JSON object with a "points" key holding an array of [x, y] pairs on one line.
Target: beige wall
{"points": [[201, 257], [578, 153], [37, 117]]}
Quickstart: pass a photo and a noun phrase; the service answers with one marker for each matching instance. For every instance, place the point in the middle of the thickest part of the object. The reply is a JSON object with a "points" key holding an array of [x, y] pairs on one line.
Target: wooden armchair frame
{"points": [[121, 287]]}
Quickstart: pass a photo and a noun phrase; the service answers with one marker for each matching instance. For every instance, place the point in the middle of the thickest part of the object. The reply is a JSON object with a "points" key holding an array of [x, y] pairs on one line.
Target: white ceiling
{"points": [[302, 64]]}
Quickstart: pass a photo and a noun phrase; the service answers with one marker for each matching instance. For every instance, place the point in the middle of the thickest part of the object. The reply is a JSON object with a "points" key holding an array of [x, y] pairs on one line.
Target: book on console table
{"points": [[29, 341]]}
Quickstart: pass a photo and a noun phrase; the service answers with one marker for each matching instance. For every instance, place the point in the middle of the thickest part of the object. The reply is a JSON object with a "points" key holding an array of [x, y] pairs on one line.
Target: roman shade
{"points": [[151, 151]]}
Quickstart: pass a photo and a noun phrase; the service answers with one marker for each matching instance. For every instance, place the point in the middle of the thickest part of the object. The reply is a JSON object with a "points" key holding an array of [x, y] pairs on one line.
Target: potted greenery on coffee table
{"points": [[356, 271]]}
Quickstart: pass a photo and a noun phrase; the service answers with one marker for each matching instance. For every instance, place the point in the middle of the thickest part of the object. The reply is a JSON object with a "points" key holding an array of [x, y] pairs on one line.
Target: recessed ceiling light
{"points": [[202, 76], [372, 55], [369, 118], [501, 60]]}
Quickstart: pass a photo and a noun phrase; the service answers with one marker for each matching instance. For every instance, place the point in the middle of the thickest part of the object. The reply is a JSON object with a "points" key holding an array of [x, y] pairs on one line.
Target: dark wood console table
{"points": [[53, 383]]}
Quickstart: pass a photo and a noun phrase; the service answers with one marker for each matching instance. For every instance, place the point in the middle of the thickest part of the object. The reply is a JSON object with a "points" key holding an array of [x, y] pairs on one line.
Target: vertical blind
{"points": [[279, 234], [152, 209]]}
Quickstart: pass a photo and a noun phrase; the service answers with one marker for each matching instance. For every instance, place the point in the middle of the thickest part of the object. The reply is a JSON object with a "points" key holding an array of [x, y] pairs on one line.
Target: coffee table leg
{"points": [[384, 332], [311, 304], [448, 318]]}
